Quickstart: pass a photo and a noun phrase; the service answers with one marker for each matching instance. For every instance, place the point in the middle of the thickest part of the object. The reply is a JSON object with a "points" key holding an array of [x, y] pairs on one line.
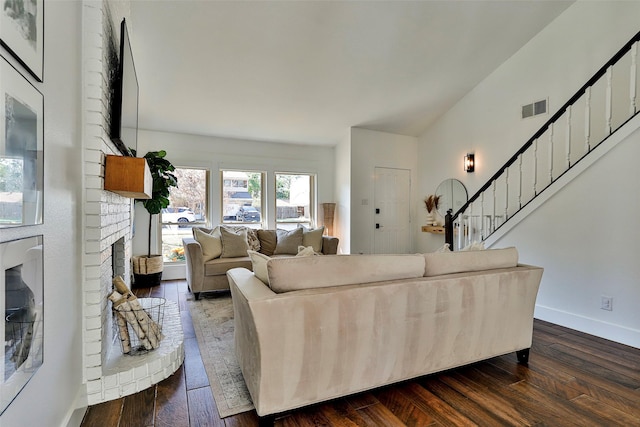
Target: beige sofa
{"points": [[209, 273], [325, 327]]}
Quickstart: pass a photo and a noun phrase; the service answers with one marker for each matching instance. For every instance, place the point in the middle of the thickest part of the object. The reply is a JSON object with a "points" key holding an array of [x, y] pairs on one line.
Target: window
{"points": [[242, 198], [294, 200], [188, 208]]}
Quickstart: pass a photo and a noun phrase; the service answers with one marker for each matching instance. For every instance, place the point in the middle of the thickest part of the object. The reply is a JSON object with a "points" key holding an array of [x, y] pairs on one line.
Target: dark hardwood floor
{"points": [[572, 379]]}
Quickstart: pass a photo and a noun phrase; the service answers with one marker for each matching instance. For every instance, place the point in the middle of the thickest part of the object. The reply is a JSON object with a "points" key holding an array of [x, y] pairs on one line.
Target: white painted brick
{"points": [[94, 386], [112, 393], [93, 323], [126, 376], [129, 388], [93, 347], [94, 195], [93, 360], [92, 297], [94, 398], [92, 233], [94, 373], [143, 383], [140, 372], [93, 310], [93, 182], [110, 381], [92, 272]]}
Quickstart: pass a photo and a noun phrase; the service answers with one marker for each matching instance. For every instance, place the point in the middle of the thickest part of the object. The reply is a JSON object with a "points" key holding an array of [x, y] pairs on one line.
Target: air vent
{"points": [[534, 109]]}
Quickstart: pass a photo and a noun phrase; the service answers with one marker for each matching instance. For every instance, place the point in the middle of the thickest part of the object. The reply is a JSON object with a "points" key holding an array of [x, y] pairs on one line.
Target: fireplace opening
{"points": [[118, 258]]}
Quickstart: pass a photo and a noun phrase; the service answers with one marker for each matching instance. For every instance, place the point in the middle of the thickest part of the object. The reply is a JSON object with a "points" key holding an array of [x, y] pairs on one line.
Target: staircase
{"points": [[583, 129]]}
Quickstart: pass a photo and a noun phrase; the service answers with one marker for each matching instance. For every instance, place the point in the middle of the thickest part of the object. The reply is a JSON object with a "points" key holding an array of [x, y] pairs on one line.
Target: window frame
{"points": [[196, 223], [313, 220], [262, 208]]}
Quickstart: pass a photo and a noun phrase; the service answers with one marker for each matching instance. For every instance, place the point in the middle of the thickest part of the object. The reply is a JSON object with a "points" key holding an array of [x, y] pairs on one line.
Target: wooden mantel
{"points": [[128, 176]]}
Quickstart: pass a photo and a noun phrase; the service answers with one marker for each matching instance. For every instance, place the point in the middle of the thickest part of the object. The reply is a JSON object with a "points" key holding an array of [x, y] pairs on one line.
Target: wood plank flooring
{"points": [[572, 379]]}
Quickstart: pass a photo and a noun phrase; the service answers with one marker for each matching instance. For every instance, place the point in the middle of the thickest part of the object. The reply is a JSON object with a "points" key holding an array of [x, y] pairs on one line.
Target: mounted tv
{"points": [[124, 112]]}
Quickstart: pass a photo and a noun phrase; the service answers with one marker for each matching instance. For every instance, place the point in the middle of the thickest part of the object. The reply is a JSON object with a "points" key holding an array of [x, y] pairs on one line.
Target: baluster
{"points": [[493, 214], [608, 98], [506, 195], [470, 227], [520, 181], [633, 77], [587, 120], [550, 153], [569, 137], [461, 220], [483, 233], [535, 167]]}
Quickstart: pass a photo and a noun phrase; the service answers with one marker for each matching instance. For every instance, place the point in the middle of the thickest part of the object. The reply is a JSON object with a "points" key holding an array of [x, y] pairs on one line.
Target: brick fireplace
{"points": [[107, 231]]}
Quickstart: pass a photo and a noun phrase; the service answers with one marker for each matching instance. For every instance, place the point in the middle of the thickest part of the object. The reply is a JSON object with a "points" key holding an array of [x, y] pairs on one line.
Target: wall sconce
{"points": [[469, 162]]}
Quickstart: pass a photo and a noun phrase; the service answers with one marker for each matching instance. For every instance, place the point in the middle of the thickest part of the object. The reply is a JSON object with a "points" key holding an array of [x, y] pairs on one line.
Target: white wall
{"points": [[342, 191], [486, 121], [371, 149], [48, 399]]}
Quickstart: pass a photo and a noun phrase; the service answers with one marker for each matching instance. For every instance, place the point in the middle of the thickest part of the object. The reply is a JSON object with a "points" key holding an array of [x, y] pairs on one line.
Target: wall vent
{"points": [[534, 109]]}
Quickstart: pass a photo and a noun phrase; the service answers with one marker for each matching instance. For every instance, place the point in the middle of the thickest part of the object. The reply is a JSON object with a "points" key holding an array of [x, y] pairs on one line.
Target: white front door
{"points": [[392, 219]]}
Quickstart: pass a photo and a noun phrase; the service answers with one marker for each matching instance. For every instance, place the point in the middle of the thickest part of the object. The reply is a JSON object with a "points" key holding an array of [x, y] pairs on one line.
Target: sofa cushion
{"points": [[288, 241], [296, 273], [259, 265], [219, 266], [438, 263], [234, 242], [210, 243], [268, 240], [312, 237]]}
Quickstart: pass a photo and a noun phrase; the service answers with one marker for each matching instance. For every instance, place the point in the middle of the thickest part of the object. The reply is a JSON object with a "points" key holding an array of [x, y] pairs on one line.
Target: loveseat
{"points": [[213, 251], [317, 328]]}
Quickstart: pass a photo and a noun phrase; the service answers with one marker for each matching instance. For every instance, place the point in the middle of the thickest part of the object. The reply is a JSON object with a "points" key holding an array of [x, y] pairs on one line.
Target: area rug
{"points": [[212, 318]]}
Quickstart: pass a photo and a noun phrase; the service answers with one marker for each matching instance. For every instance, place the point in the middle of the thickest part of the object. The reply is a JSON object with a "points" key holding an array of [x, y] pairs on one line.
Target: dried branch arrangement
{"points": [[431, 202]]}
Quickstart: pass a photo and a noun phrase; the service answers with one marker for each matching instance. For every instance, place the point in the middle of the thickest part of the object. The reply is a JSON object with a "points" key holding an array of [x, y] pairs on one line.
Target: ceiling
{"points": [[304, 72]]}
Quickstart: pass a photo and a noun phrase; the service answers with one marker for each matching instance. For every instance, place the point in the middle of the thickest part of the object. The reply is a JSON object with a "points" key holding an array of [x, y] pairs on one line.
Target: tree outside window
{"points": [[188, 208]]}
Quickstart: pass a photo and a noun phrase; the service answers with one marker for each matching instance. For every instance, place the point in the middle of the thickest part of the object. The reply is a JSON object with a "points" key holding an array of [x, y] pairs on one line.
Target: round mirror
{"points": [[453, 195]]}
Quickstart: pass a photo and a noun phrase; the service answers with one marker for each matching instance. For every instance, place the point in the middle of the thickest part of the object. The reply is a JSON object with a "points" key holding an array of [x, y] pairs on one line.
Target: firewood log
{"points": [[123, 332], [147, 324], [121, 305]]}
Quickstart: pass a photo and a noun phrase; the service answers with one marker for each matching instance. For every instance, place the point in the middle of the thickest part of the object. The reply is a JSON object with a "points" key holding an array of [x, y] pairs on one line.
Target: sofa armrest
{"points": [[330, 245], [195, 263]]}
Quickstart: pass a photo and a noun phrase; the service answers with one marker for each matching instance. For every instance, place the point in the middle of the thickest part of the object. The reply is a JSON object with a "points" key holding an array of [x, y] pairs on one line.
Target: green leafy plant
{"points": [[163, 179]]}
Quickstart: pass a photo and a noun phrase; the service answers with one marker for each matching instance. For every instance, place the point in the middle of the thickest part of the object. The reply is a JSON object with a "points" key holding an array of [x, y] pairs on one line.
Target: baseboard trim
{"points": [[177, 271], [598, 328]]}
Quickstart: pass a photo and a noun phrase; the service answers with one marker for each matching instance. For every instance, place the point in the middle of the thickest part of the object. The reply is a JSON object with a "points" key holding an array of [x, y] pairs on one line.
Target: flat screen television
{"points": [[124, 112]]}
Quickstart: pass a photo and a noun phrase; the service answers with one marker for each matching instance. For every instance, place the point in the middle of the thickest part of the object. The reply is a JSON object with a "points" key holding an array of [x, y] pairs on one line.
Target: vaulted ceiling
{"points": [[306, 71]]}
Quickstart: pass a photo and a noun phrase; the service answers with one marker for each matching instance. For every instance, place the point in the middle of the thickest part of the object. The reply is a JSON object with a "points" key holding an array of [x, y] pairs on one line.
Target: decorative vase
{"points": [[429, 218]]}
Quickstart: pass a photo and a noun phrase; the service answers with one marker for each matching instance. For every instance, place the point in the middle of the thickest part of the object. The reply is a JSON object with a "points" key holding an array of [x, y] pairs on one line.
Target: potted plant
{"points": [[147, 270]]}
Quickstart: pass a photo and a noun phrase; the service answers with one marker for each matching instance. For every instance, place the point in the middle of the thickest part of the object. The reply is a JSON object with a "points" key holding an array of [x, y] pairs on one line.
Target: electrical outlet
{"points": [[606, 303]]}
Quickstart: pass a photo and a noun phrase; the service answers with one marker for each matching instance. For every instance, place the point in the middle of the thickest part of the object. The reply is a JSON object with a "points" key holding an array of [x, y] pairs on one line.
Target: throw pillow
{"points": [[444, 248], [234, 243], [268, 241], [252, 239], [306, 251], [211, 243], [259, 265], [287, 242], [252, 235], [312, 237], [475, 246]]}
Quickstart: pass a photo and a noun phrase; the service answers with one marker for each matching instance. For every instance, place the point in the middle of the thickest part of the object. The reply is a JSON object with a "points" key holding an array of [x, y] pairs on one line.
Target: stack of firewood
{"points": [[128, 311]]}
